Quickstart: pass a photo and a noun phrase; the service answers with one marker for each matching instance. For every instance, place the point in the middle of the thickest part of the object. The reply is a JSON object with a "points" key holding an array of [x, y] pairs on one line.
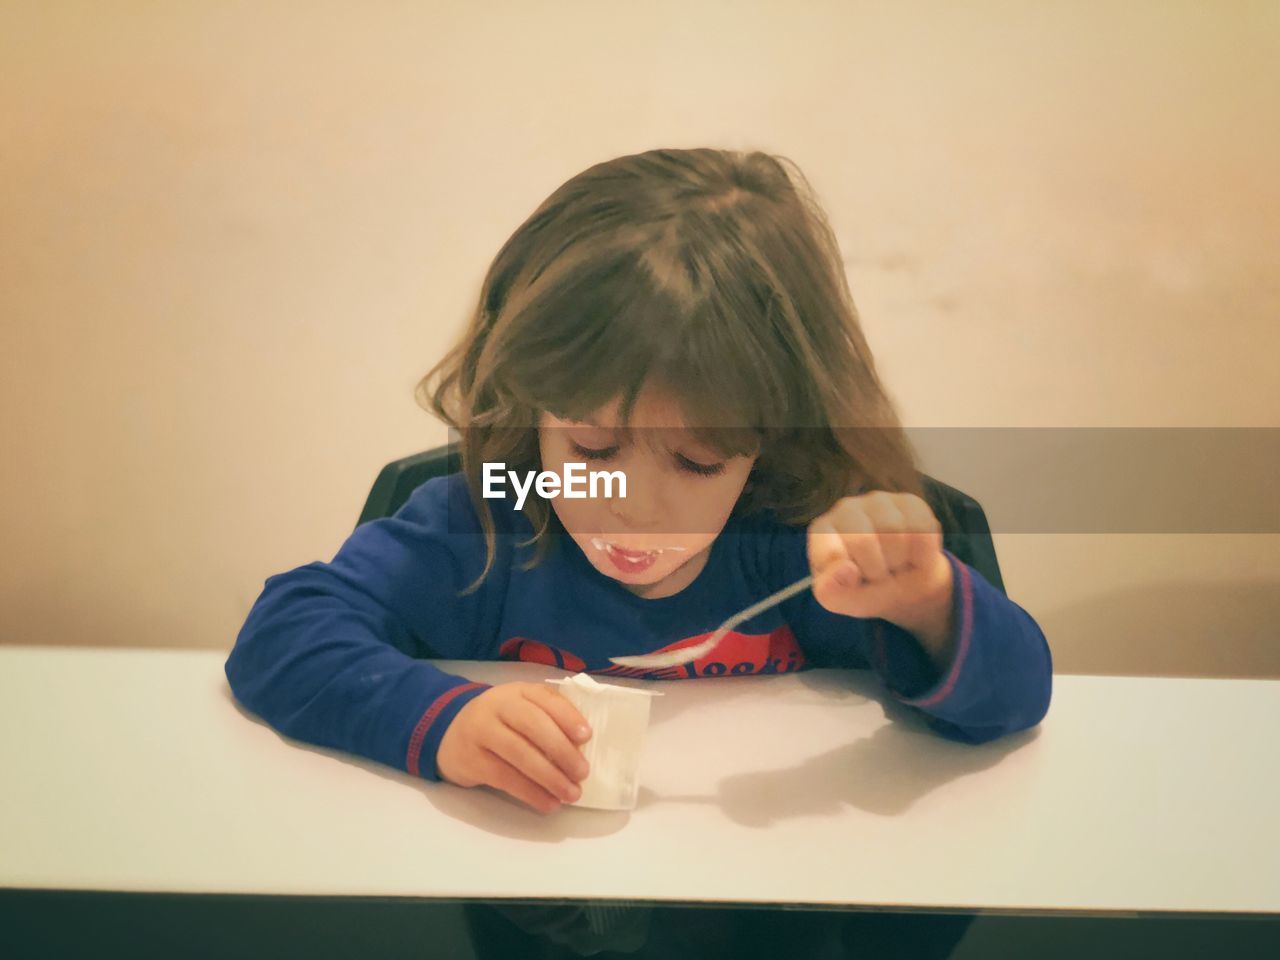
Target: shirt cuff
{"points": [[424, 742]]}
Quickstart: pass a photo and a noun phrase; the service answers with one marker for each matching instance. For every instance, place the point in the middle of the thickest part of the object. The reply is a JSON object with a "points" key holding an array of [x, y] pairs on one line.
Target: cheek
{"points": [[551, 449], [708, 499]]}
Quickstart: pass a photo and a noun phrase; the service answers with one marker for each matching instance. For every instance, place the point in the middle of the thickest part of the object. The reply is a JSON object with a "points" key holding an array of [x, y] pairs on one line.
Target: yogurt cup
{"points": [[619, 719]]}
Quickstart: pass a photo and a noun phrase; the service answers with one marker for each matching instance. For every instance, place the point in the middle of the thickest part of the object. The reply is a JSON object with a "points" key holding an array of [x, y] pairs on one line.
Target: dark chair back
{"points": [[399, 478], [965, 531]]}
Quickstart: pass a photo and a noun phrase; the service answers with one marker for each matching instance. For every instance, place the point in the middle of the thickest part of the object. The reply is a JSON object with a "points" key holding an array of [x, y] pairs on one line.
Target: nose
{"points": [[642, 507]]}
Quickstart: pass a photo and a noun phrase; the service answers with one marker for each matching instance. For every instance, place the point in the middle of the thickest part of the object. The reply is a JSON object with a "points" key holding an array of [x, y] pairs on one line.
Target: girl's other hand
{"points": [[520, 738]]}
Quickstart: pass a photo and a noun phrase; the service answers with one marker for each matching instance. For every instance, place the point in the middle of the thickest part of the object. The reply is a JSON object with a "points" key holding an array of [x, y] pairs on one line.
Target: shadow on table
{"points": [[884, 773]]}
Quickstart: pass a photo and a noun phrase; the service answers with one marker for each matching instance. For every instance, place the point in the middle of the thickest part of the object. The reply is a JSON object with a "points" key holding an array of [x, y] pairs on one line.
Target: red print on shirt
{"points": [[531, 651], [737, 654]]}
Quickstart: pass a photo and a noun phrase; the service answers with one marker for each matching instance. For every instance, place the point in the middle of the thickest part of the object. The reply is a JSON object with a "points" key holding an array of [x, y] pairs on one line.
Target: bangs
{"points": [[604, 334], [733, 396], [577, 344]]}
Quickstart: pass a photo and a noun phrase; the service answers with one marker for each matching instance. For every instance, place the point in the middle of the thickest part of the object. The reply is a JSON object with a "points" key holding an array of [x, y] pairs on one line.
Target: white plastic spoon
{"points": [[675, 658]]}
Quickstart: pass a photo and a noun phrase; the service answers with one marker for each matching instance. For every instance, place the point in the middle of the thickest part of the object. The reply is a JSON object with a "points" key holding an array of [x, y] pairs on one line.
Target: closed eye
{"points": [[701, 469], [589, 453]]}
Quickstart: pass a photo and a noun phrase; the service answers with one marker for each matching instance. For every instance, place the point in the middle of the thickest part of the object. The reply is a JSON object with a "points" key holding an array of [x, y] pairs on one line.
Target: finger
{"points": [[826, 548], [834, 573], [532, 722], [502, 776], [532, 762], [890, 526], [925, 531], [860, 539], [565, 714]]}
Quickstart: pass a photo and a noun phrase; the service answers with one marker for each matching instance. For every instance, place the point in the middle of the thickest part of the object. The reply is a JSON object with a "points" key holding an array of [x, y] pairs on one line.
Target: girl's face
{"points": [[679, 494]]}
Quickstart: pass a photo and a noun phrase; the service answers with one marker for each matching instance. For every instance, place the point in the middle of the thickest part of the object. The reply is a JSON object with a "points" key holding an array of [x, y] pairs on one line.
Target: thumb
{"points": [[829, 561]]}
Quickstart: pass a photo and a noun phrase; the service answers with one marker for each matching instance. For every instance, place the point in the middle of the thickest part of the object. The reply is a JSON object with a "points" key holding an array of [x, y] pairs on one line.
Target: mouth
{"points": [[631, 561], [610, 547]]}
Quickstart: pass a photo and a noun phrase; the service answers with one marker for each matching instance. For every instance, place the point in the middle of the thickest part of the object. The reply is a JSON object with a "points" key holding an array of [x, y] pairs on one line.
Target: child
{"points": [[680, 316]]}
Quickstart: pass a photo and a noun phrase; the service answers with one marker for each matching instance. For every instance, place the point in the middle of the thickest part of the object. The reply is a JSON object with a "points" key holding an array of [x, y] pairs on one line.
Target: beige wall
{"points": [[233, 235]]}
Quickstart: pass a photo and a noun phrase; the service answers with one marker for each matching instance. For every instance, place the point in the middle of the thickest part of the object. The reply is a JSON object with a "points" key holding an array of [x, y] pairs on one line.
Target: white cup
{"points": [[619, 718]]}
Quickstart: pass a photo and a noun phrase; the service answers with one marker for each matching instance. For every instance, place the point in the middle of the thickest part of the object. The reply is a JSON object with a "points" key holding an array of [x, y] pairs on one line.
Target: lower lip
{"points": [[638, 563]]}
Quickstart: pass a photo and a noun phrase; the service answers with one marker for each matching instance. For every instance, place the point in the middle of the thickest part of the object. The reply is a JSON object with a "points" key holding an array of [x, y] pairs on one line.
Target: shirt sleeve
{"points": [[330, 652], [1000, 679], [998, 682]]}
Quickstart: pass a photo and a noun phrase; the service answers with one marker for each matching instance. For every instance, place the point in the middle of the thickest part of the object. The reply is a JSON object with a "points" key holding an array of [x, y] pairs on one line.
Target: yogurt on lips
{"points": [[631, 561]]}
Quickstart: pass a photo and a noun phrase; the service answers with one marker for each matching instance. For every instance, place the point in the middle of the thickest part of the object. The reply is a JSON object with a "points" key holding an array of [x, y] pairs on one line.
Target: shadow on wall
{"points": [[1174, 629]]}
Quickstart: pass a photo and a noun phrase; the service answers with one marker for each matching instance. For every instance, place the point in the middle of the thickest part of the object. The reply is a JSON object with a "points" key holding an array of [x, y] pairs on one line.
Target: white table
{"points": [[134, 770]]}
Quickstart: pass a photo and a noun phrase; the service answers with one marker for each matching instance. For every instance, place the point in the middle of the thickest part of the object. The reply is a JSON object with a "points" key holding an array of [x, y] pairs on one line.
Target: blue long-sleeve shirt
{"points": [[338, 654]]}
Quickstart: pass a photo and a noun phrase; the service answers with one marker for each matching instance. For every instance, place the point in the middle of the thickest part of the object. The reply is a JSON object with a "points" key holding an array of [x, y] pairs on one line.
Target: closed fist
{"points": [[879, 554]]}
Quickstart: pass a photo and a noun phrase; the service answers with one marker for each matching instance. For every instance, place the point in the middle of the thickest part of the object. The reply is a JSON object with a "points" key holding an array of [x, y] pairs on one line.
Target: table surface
{"points": [[135, 770]]}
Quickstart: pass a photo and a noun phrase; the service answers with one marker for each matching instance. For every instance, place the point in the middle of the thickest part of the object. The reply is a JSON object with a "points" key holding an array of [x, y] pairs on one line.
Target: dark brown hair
{"points": [[711, 274]]}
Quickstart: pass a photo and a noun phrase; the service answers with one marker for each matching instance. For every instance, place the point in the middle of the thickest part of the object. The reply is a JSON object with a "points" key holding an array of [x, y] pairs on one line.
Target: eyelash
{"points": [[690, 466]]}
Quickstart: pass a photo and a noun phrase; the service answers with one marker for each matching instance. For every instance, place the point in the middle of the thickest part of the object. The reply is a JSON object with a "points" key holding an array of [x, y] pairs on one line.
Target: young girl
{"points": [[681, 316]]}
